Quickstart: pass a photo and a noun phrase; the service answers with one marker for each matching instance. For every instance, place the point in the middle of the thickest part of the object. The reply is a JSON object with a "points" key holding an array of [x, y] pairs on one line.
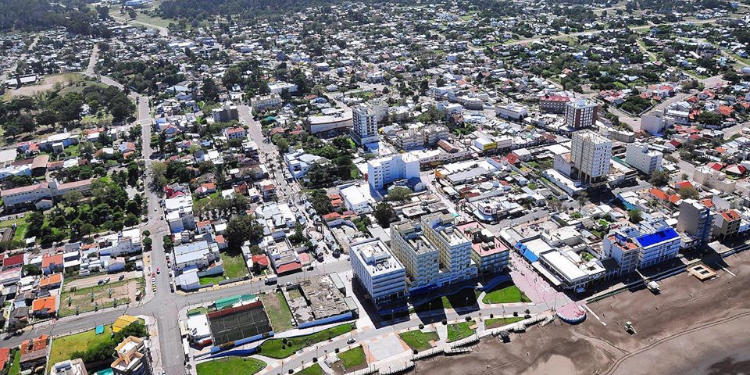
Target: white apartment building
{"points": [[365, 118], [265, 102], [640, 157], [412, 249], [640, 247], [453, 247], [512, 111], [378, 270], [591, 154], [385, 170]]}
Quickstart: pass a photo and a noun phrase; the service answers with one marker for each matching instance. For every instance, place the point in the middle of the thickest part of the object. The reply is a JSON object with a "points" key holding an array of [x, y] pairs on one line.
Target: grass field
{"points": [[232, 365], [276, 348], [464, 298], [81, 297], [15, 363], [278, 311], [352, 358], [506, 294], [315, 369], [205, 280], [64, 347], [499, 322], [419, 340], [234, 265], [458, 331], [21, 227]]}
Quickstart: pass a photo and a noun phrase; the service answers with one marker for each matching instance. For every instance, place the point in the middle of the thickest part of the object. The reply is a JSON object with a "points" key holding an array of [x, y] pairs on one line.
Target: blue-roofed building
{"points": [[639, 247]]}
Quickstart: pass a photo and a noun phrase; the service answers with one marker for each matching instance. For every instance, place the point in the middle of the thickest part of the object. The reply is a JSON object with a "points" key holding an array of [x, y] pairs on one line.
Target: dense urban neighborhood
{"points": [[358, 187]]}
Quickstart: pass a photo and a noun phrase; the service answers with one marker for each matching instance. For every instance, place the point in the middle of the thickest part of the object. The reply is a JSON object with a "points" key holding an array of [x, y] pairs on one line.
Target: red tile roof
{"points": [[289, 267], [49, 260], [13, 260], [4, 357]]}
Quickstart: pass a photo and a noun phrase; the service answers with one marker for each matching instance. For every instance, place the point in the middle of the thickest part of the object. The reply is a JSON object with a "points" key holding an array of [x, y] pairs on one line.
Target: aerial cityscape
{"points": [[313, 187]]}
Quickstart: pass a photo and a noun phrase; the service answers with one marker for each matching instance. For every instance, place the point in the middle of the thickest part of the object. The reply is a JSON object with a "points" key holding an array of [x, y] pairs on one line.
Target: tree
{"points": [[210, 91], [243, 228], [659, 178], [635, 216], [383, 213], [147, 243], [398, 194], [158, 174], [688, 192], [132, 14]]}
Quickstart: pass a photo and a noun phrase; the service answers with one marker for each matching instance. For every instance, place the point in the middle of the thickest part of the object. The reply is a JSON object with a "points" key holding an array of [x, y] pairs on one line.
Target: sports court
{"points": [[238, 323]]}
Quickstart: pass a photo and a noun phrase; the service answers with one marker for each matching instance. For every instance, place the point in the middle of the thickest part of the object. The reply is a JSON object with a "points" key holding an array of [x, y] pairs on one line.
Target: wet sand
{"points": [[693, 327]]}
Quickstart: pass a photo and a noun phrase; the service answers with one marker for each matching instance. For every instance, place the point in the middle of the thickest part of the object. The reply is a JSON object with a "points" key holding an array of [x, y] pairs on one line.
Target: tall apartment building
{"points": [[385, 170], [696, 220], [420, 258], [365, 118], [453, 247], [580, 114], [641, 158], [648, 244], [591, 154], [132, 357], [379, 271]]}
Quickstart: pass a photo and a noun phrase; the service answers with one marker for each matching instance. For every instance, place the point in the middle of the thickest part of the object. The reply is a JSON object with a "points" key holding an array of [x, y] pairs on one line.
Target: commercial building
{"points": [[413, 250], [569, 269], [648, 244], [640, 157], [379, 271], [553, 103], [365, 118], [333, 121], [512, 111], [590, 154], [580, 114], [696, 220], [487, 251], [385, 170], [31, 194]]}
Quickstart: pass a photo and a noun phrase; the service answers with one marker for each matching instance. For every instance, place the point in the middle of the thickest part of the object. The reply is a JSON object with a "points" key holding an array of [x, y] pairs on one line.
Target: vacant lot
{"points": [[234, 265], [99, 296], [692, 327], [505, 294], [278, 311], [232, 365], [419, 340], [64, 347]]}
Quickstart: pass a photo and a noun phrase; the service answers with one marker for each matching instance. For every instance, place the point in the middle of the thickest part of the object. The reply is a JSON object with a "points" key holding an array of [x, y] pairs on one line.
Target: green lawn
{"points": [[21, 227], [419, 340], [463, 298], [499, 322], [275, 348], [458, 331], [231, 365], [507, 294], [234, 265], [352, 358], [15, 362], [315, 369], [278, 311], [64, 347], [205, 280]]}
